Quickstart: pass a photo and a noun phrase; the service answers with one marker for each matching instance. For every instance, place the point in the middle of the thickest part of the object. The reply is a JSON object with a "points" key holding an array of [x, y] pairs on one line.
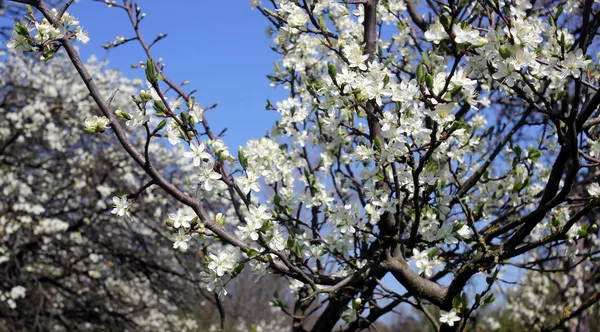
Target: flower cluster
{"points": [[225, 262], [11, 297], [425, 263], [41, 36]]}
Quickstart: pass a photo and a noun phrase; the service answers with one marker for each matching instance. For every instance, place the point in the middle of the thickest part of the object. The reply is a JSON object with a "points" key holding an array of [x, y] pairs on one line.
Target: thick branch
{"points": [[416, 285], [415, 16]]}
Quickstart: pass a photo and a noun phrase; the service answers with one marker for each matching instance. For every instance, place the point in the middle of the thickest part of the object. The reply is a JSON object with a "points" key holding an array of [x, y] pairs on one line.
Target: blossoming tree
{"points": [[432, 144], [65, 260]]}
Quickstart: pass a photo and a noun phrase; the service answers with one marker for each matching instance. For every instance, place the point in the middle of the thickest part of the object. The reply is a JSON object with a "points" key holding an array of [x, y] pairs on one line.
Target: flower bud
{"points": [[504, 52], [145, 96], [122, 114], [220, 219]]}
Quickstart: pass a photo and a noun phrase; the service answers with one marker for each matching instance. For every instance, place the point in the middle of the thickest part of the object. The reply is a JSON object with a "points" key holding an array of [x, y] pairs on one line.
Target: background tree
{"points": [[436, 144]]}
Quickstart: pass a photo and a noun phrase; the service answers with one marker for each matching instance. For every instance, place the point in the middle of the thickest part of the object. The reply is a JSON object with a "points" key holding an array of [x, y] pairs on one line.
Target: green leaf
{"points": [[290, 242], [429, 81], [445, 20], [158, 106], [238, 269], [21, 29], [479, 209], [161, 125], [400, 26], [517, 150], [298, 250], [555, 221], [583, 232], [420, 74], [267, 226], [185, 118], [433, 252], [377, 143], [559, 10], [456, 301], [534, 155], [517, 186], [515, 162], [560, 95], [277, 200], [251, 252], [182, 133], [332, 70], [431, 167], [489, 299], [492, 279], [457, 89], [269, 106], [242, 158], [322, 23]]}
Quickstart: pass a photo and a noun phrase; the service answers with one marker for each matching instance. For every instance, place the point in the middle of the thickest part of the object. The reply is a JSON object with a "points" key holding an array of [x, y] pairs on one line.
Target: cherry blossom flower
{"points": [[449, 317]]}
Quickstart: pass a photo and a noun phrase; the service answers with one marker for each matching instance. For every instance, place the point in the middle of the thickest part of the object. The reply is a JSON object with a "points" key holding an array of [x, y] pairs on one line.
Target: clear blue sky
{"points": [[219, 46]]}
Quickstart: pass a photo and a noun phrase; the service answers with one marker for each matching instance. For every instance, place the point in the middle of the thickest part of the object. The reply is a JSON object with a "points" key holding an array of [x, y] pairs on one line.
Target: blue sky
{"points": [[221, 47]]}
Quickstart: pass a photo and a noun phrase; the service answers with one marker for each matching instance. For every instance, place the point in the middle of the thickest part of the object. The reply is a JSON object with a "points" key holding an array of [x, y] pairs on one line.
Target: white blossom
{"points": [[450, 317], [181, 239], [121, 206]]}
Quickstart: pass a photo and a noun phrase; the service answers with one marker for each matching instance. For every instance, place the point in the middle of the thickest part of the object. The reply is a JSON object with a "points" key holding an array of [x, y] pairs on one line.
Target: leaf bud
{"points": [[151, 71]]}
